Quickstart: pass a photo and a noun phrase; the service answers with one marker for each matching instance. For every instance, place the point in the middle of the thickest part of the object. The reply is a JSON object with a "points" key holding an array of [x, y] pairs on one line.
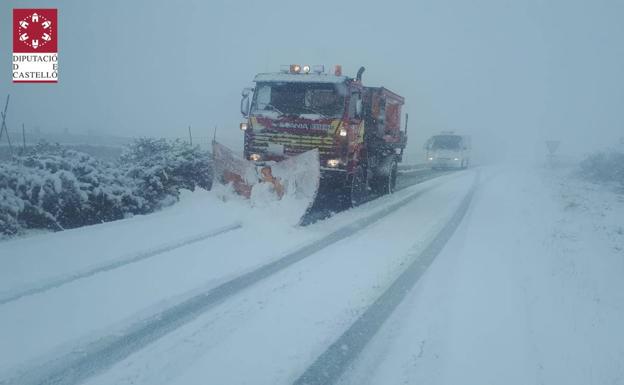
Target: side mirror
{"points": [[244, 106], [406, 120]]}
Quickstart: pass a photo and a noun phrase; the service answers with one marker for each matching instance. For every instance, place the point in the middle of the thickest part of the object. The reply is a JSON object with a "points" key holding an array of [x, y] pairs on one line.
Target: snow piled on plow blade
{"points": [[299, 175], [226, 161]]}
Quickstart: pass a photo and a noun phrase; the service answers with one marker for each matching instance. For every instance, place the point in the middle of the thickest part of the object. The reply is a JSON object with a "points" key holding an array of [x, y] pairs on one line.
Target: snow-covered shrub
{"points": [[604, 167], [10, 207], [54, 188], [164, 167], [34, 192], [102, 189]]}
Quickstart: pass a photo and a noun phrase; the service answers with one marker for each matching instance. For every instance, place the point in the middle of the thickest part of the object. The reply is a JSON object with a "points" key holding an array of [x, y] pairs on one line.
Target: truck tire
{"points": [[386, 184], [393, 178], [358, 189]]}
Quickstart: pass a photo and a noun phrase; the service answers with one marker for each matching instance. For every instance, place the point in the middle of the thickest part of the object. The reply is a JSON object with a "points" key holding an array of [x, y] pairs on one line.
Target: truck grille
{"points": [[293, 144]]}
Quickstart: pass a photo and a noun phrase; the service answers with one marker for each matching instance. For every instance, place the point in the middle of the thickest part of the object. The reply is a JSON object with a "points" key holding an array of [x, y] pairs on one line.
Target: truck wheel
{"points": [[358, 190], [393, 177], [389, 182]]}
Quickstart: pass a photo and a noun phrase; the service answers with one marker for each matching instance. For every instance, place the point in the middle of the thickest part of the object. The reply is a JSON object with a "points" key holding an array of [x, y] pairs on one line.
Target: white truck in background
{"points": [[448, 150]]}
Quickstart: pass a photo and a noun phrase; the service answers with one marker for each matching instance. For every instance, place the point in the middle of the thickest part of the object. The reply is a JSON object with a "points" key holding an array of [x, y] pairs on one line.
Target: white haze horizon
{"points": [[510, 74]]}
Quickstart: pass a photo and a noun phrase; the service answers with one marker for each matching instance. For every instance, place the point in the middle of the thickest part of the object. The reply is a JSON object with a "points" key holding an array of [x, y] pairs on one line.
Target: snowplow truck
{"points": [[356, 128]]}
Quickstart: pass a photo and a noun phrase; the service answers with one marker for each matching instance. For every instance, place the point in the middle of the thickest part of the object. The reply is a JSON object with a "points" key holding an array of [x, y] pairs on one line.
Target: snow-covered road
{"points": [[528, 291], [270, 333], [211, 292], [87, 309]]}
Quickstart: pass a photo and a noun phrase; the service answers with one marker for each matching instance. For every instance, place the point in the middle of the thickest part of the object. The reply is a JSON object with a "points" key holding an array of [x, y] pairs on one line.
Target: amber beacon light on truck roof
{"points": [[306, 69]]}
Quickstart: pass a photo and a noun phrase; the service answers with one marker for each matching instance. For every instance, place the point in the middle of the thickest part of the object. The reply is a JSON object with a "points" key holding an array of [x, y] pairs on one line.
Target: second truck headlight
{"points": [[333, 162]]}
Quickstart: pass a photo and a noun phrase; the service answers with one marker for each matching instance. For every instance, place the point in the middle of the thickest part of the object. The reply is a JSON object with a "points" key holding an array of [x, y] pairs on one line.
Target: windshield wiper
{"points": [[273, 108]]}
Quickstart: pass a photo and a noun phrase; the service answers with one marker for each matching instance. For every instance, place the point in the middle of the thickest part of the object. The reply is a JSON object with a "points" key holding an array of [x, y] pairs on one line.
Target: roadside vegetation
{"points": [[51, 187], [604, 167]]}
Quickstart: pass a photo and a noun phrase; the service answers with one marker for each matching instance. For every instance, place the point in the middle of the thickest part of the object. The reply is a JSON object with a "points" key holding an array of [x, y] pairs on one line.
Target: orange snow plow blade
{"points": [[232, 169], [294, 181]]}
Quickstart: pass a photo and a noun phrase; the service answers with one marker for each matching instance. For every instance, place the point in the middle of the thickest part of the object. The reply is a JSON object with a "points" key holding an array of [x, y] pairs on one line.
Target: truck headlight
{"points": [[455, 158], [244, 126], [431, 158], [255, 157], [333, 162], [342, 132]]}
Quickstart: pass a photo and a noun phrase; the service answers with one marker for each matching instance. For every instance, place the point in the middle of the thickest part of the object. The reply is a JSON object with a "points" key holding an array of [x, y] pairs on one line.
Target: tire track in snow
{"points": [[331, 364], [13, 295], [119, 262], [411, 177], [405, 179], [87, 361]]}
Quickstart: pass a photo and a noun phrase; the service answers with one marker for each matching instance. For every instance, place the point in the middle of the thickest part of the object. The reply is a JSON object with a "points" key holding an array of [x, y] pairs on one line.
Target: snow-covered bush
{"points": [[164, 167], [10, 207], [35, 196], [604, 167], [52, 187]]}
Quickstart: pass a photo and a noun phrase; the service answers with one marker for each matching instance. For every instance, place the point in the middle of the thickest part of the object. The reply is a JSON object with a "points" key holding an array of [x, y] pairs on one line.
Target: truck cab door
{"points": [[355, 106]]}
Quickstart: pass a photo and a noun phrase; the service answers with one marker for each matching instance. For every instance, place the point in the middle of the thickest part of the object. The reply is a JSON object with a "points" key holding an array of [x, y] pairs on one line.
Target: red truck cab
{"points": [[356, 129]]}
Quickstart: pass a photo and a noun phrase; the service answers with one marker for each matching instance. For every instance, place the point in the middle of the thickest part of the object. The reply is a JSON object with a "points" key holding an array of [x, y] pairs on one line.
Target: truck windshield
{"points": [[446, 142], [324, 100]]}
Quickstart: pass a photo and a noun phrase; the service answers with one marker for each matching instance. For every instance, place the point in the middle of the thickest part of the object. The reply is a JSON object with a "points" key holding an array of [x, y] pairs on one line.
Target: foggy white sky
{"points": [[510, 73]]}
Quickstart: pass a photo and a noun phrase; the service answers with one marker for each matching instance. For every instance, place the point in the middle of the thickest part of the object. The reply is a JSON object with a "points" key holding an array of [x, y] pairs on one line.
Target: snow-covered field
{"points": [[528, 289]]}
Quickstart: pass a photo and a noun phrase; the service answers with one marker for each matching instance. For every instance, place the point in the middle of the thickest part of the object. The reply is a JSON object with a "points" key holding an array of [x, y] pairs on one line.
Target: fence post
{"points": [[23, 139]]}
